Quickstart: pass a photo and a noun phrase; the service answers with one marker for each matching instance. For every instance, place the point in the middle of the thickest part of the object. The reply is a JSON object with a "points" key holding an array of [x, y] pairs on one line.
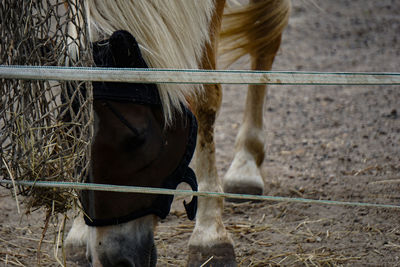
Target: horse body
{"points": [[182, 34]]}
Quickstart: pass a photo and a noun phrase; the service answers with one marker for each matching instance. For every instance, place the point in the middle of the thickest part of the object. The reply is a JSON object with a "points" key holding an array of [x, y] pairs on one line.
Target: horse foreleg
{"points": [[244, 174], [75, 243], [210, 239]]}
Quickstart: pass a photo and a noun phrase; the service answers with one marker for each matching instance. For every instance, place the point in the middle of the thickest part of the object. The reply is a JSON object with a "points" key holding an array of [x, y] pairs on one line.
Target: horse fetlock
{"points": [[216, 255], [243, 176]]}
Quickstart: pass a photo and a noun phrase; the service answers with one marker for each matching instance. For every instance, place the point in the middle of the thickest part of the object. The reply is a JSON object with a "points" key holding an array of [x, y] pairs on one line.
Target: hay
{"points": [[45, 125]]}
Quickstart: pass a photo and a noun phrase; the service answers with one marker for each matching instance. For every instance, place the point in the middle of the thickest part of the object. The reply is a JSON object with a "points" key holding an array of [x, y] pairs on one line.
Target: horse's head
{"points": [[132, 146]]}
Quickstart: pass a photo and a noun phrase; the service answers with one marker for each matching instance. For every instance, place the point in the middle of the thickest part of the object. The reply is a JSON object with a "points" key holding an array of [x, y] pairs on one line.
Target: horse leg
{"points": [[244, 175], [209, 238], [75, 243]]}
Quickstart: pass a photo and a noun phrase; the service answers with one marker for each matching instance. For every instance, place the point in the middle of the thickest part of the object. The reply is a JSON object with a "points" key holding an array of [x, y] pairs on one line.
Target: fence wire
{"points": [[196, 76], [182, 192]]}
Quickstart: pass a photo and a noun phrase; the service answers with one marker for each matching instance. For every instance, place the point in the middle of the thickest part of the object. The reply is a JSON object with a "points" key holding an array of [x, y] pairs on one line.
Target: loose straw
{"points": [[13, 182]]}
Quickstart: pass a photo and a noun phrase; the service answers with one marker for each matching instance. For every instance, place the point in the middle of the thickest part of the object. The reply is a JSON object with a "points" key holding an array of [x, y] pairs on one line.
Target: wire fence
{"points": [[181, 192], [198, 76], [45, 126], [191, 77]]}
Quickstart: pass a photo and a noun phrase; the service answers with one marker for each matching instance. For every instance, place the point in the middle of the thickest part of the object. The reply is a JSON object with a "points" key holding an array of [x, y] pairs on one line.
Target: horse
{"points": [[146, 133]]}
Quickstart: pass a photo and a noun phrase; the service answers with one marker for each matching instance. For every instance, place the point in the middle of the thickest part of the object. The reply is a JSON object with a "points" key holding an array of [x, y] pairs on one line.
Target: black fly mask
{"points": [[132, 145]]}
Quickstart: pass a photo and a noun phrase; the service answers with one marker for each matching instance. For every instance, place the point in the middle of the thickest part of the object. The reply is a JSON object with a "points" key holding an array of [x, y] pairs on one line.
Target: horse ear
{"points": [[125, 51]]}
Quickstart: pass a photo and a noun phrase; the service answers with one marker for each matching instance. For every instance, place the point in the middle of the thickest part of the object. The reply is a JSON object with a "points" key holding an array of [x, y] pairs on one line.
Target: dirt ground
{"points": [[323, 142]]}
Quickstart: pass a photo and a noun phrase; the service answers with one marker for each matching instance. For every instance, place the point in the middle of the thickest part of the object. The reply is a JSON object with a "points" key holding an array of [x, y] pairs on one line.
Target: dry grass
{"points": [[51, 157]]}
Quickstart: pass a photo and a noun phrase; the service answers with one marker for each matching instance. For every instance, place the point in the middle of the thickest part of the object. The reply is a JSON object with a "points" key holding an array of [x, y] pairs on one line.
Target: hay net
{"points": [[46, 126]]}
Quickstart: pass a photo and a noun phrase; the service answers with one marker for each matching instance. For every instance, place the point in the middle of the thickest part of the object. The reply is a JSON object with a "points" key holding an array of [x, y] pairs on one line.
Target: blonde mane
{"points": [[171, 34]]}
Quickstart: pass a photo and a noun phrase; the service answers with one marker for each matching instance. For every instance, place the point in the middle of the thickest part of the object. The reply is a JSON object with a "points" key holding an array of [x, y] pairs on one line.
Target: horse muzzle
{"points": [[127, 245]]}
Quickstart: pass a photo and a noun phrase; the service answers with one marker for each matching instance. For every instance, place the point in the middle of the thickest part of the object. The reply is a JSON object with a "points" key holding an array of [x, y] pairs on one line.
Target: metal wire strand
{"points": [[180, 192]]}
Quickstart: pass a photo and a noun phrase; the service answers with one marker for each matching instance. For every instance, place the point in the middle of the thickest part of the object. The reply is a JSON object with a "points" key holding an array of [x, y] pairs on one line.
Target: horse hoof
{"points": [[222, 255], [76, 256], [243, 187], [243, 177], [242, 184]]}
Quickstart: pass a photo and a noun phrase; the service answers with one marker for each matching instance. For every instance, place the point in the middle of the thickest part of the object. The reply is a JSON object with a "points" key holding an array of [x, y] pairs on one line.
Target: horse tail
{"points": [[252, 28]]}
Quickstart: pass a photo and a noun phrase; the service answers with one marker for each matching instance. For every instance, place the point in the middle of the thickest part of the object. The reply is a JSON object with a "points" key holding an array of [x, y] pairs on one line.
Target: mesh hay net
{"points": [[45, 126]]}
